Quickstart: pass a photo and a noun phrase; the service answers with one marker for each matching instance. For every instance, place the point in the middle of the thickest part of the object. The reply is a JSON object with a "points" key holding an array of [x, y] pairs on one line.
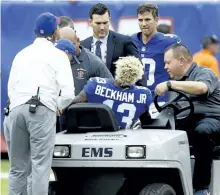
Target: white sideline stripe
{"points": [[5, 176]]}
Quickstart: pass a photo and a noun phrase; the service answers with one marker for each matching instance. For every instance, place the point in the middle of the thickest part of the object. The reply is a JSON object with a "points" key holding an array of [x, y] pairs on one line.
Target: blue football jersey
{"points": [[152, 56], [127, 104]]}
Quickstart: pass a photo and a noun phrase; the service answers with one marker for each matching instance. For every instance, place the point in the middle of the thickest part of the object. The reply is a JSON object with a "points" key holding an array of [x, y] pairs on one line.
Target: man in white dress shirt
{"points": [[106, 44], [30, 126]]}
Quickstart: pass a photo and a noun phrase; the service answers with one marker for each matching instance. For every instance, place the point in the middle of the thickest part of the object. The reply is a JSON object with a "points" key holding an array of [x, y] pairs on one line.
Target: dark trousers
{"points": [[204, 135], [62, 122]]}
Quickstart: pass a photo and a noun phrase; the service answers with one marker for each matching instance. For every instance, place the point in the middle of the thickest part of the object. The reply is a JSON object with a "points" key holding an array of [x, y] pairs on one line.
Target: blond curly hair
{"points": [[128, 70]]}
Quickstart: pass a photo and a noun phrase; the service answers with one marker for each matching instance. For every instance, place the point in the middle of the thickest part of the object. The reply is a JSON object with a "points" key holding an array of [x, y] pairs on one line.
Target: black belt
{"points": [[32, 102]]}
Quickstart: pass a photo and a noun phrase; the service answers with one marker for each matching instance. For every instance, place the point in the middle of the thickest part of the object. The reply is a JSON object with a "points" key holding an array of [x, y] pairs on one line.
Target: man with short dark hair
{"points": [[66, 21], [106, 44], [151, 46], [203, 88]]}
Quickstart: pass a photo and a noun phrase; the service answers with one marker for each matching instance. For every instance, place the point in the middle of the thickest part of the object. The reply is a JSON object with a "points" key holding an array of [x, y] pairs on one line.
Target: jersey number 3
{"points": [[121, 108], [152, 66]]}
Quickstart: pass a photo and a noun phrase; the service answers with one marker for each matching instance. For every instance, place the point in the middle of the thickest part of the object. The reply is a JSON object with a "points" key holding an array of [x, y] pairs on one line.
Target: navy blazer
{"points": [[118, 45]]}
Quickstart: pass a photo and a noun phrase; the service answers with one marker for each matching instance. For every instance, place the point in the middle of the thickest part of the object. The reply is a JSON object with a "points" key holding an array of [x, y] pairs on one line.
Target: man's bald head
{"points": [[70, 34]]}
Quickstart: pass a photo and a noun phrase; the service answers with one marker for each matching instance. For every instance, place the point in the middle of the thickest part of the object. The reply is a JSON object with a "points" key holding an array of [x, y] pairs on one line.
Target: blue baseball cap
{"points": [[67, 45], [46, 24]]}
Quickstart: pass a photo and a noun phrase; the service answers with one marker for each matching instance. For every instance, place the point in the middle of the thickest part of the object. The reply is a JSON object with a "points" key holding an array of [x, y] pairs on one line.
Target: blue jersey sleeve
{"points": [[176, 39], [90, 87], [173, 39]]}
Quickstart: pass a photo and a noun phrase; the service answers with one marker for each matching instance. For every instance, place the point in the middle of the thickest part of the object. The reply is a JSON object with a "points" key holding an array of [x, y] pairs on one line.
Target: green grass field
{"points": [[4, 182]]}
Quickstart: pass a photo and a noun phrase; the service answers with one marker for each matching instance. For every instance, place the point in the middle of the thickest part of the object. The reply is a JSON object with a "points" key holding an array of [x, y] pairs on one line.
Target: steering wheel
{"points": [[176, 106]]}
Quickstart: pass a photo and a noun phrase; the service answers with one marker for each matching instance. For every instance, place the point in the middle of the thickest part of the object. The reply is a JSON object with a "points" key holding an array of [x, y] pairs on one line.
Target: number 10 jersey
{"points": [[152, 56]]}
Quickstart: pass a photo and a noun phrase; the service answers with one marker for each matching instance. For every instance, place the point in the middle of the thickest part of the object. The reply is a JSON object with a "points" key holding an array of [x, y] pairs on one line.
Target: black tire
{"points": [[62, 188], [157, 189]]}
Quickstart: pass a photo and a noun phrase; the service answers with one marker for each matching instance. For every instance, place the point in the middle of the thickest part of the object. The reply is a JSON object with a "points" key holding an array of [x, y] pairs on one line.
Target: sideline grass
{"points": [[4, 187], [4, 182]]}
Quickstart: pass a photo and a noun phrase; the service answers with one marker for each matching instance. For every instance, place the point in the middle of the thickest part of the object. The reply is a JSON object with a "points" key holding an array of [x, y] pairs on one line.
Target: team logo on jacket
{"points": [[143, 49], [80, 73]]}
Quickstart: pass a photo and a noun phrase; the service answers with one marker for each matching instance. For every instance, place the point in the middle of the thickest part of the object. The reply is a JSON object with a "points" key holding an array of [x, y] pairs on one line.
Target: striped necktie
{"points": [[98, 49]]}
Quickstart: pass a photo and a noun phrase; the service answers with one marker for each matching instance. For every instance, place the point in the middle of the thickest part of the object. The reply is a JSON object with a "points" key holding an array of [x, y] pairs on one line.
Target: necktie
{"points": [[98, 49]]}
